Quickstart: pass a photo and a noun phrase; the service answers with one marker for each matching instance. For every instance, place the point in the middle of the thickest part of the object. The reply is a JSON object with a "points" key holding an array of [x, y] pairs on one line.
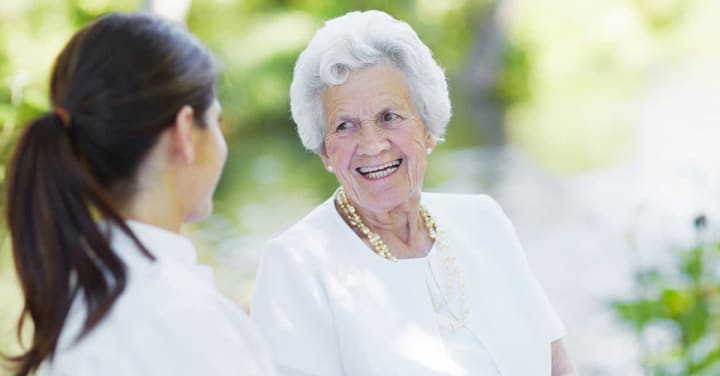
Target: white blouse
{"points": [[328, 306], [170, 320], [462, 345]]}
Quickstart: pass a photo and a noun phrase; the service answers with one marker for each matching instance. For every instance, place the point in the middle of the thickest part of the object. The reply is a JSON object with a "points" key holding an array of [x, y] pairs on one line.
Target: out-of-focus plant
{"points": [[684, 304]]}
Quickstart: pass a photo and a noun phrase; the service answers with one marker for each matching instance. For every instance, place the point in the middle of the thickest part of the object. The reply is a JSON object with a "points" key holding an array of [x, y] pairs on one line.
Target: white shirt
{"points": [[170, 320], [328, 306], [462, 345]]}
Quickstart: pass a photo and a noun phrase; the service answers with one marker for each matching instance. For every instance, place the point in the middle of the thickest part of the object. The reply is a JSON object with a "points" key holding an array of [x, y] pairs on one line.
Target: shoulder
{"points": [[295, 263], [479, 221], [162, 286], [459, 200], [309, 240], [170, 322], [165, 294], [464, 206], [159, 295], [308, 226]]}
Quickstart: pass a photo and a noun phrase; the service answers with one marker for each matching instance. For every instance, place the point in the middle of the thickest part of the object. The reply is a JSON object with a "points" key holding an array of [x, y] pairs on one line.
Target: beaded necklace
{"points": [[454, 280]]}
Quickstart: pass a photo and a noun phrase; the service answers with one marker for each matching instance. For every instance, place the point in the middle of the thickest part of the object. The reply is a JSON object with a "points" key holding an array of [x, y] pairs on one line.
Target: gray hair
{"points": [[354, 41]]}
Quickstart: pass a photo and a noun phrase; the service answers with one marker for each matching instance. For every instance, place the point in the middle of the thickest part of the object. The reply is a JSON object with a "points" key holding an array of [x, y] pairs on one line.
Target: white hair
{"points": [[355, 41]]}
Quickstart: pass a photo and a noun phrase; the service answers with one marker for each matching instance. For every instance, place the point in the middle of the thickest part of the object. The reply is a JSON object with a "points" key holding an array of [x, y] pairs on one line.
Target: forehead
{"points": [[367, 91]]}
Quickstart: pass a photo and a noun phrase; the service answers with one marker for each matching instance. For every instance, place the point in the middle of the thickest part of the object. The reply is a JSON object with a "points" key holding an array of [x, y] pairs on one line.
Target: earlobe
{"points": [[327, 162], [430, 143]]}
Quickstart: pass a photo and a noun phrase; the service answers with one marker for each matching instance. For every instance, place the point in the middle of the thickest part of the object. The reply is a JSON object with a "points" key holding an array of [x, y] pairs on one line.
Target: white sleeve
{"points": [[291, 310], [534, 297]]}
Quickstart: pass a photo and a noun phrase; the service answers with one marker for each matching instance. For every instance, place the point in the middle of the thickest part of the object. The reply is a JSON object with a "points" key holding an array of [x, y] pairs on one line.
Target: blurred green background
{"points": [[558, 80]]}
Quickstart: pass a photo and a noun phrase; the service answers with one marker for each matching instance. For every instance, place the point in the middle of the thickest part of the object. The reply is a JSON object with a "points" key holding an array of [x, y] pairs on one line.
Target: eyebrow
{"points": [[345, 116]]}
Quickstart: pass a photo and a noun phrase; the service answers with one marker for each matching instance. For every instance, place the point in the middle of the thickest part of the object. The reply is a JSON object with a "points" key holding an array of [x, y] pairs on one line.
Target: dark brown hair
{"points": [[116, 86]]}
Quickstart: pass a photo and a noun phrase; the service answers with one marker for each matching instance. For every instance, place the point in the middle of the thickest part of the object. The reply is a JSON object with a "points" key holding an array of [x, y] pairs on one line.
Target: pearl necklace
{"points": [[450, 264], [354, 219]]}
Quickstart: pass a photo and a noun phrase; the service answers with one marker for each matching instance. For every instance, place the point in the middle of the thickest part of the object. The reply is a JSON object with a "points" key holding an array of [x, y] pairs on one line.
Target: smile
{"points": [[381, 171]]}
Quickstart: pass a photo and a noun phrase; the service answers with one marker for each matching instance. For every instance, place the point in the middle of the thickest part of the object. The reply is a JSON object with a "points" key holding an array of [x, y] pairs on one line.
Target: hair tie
{"points": [[63, 115]]}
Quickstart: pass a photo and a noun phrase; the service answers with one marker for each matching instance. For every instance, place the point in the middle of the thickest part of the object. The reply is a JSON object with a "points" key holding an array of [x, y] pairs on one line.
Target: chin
{"points": [[391, 192], [199, 214], [385, 200]]}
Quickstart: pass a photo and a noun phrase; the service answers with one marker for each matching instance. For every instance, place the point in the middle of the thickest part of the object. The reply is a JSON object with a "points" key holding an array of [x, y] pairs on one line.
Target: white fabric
{"points": [[462, 345], [170, 320], [328, 306]]}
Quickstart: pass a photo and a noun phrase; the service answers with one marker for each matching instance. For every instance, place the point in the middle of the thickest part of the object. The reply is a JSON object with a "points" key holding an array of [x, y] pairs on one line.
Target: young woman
{"points": [[98, 189]]}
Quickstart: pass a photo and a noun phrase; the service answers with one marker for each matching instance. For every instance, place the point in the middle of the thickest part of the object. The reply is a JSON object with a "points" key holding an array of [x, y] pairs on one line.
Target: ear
{"points": [[182, 148], [430, 142], [326, 161]]}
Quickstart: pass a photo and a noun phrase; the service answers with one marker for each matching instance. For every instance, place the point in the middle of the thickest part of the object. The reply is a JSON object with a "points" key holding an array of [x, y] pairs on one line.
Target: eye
{"points": [[389, 117], [391, 120], [344, 126]]}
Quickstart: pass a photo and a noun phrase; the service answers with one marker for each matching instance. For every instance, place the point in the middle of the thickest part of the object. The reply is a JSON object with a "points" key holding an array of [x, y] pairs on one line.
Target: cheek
{"points": [[417, 160], [340, 157], [330, 156], [213, 146], [416, 170], [221, 143], [223, 151], [337, 154]]}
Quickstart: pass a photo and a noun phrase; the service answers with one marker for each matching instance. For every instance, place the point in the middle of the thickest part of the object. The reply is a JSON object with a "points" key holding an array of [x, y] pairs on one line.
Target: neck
{"points": [[156, 197], [402, 222], [147, 210], [401, 228], [155, 204]]}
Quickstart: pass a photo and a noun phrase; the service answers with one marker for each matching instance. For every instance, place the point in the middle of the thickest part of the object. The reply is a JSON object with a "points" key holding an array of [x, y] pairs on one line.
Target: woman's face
{"points": [[374, 139], [210, 155]]}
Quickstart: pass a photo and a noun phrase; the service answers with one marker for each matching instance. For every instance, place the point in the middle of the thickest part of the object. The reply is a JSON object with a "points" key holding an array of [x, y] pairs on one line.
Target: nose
{"points": [[372, 140]]}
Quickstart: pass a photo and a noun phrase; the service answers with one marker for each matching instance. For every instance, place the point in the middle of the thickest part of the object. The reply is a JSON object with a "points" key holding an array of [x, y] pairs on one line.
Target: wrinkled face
{"points": [[375, 140], [210, 155]]}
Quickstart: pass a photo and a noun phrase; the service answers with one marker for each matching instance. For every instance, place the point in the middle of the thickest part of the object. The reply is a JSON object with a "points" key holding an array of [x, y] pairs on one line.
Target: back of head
{"points": [[116, 86], [355, 41], [123, 79]]}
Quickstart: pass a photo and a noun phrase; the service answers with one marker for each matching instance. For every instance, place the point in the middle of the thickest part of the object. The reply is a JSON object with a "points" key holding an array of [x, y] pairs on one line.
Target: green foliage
{"points": [[514, 82], [663, 15], [685, 303]]}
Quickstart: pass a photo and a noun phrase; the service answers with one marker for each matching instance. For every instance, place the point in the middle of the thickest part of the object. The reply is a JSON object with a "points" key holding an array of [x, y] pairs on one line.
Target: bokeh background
{"points": [[594, 123]]}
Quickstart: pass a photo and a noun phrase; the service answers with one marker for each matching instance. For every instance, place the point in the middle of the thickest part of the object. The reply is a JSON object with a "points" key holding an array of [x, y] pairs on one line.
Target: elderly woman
{"points": [[383, 279]]}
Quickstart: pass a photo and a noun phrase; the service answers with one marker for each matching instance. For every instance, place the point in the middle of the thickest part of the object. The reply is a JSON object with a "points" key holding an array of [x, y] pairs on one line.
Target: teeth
{"points": [[369, 170], [383, 173]]}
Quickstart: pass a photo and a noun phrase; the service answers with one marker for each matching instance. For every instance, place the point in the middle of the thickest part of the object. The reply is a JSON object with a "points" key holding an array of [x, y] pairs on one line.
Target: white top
{"points": [[170, 320], [328, 306], [462, 345]]}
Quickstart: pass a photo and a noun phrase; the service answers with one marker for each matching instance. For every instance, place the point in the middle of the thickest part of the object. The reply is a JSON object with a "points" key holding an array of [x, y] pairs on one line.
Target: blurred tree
{"points": [[482, 76]]}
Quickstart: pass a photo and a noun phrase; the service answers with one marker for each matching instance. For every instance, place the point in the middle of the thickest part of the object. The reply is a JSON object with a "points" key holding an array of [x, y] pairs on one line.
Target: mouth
{"points": [[380, 171]]}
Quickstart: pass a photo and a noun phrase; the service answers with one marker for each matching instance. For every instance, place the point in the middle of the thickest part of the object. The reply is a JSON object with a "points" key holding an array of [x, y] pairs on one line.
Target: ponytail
{"points": [[53, 204]]}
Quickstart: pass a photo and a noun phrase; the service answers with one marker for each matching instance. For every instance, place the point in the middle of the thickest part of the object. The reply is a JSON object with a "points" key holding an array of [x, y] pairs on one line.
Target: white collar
{"points": [[165, 245]]}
